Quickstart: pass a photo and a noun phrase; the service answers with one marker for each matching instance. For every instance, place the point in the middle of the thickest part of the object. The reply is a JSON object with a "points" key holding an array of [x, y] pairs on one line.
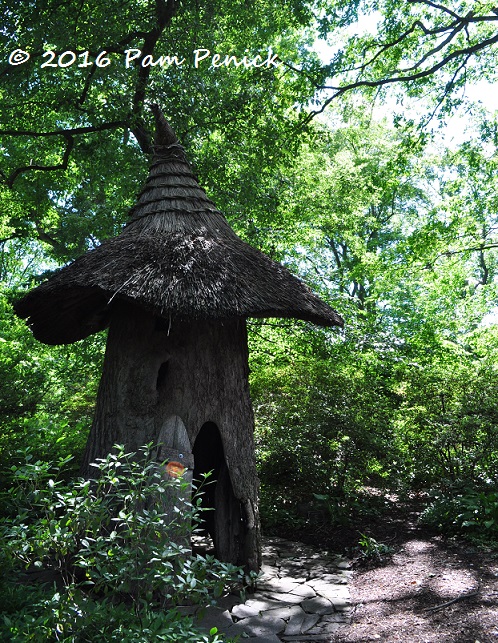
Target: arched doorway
{"points": [[223, 520]]}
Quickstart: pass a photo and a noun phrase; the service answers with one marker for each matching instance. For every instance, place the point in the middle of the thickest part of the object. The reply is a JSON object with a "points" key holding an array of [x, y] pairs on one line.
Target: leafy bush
{"points": [[118, 551], [318, 441], [321, 430], [447, 425], [370, 549], [468, 511], [47, 392]]}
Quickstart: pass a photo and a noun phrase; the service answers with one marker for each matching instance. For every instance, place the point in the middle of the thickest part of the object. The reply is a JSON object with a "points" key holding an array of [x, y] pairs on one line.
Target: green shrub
{"points": [[468, 511], [48, 393], [371, 549], [320, 430], [118, 547]]}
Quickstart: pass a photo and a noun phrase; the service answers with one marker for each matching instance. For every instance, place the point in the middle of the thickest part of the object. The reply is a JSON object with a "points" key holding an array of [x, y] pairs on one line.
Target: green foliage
{"points": [[370, 548], [229, 119], [322, 432], [447, 427], [419, 44], [47, 393], [399, 238], [114, 547], [73, 137], [74, 616], [404, 247], [466, 510]]}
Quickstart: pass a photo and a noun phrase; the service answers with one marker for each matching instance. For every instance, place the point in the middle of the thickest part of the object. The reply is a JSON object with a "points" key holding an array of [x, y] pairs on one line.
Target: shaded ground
{"points": [[405, 597], [395, 602]]}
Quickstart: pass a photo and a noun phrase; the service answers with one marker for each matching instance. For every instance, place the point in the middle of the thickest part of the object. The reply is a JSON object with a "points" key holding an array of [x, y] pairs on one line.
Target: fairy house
{"points": [[175, 288]]}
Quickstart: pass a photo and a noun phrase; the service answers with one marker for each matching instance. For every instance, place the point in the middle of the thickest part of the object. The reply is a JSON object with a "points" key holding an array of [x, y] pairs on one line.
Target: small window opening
{"points": [[162, 375]]}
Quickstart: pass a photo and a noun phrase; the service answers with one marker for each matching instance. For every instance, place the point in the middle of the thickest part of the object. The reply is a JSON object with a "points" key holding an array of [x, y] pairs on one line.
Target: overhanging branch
{"points": [[45, 168], [435, 5], [68, 136], [71, 132], [480, 249], [465, 52]]}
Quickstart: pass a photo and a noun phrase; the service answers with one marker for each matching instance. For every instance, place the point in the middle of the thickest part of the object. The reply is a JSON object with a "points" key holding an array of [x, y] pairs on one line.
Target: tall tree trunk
{"points": [[156, 370]]}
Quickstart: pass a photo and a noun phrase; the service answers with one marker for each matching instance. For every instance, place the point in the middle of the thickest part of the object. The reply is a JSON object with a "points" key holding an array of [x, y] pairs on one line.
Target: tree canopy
{"points": [[74, 123], [425, 45]]}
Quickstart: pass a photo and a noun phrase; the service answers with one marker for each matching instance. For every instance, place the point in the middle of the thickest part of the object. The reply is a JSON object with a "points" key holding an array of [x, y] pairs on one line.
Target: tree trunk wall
{"points": [[197, 370]]}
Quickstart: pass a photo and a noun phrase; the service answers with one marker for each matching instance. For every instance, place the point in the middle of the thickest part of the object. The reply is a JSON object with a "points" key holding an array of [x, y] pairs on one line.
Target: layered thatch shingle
{"points": [[177, 257]]}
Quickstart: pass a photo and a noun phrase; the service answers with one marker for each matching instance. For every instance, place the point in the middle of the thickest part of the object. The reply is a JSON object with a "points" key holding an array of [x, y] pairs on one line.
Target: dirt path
{"points": [[395, 602]]}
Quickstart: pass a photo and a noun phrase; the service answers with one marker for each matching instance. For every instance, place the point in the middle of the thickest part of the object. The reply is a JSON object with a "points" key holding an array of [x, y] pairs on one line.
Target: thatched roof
{"points": [[177, 257]]}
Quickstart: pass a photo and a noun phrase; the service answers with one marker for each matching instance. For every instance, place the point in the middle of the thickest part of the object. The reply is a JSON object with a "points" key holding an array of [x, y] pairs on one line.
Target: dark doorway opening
{"points": [[208, 457], [223, 521]]}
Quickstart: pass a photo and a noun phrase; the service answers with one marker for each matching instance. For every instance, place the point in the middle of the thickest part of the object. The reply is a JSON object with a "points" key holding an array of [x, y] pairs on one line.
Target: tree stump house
{"points": [[175, 288]]}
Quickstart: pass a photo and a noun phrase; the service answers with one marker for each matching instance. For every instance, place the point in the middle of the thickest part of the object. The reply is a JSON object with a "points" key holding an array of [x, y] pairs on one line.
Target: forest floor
{"points": [[426, 589]]}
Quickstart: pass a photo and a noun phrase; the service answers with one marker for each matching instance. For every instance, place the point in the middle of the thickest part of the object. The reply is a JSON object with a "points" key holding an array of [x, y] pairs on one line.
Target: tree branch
{"points": [[455, 600], [165, 10], [71, 132], [435, 50], [11, 238], [46, 168], [460, 23], [480, 249], [436, 6], [68, 135], [484, 268], [86, 87], [43, 236], [339, 90], [447, 91]]}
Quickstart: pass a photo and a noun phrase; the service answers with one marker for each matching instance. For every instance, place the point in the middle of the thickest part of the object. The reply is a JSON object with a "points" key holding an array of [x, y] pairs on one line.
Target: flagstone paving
{"points": [[301, 596]]}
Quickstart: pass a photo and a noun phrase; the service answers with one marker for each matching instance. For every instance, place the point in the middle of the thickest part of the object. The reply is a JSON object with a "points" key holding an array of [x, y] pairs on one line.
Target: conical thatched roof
{"points": [[177, 257]]}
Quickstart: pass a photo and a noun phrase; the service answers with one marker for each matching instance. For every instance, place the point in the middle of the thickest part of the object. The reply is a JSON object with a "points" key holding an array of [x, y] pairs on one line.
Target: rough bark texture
{"points": [[155, 369]]}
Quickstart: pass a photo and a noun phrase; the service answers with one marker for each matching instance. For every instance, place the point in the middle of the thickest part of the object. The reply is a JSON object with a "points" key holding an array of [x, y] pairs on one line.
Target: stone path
{"points": [[302, 596]]}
